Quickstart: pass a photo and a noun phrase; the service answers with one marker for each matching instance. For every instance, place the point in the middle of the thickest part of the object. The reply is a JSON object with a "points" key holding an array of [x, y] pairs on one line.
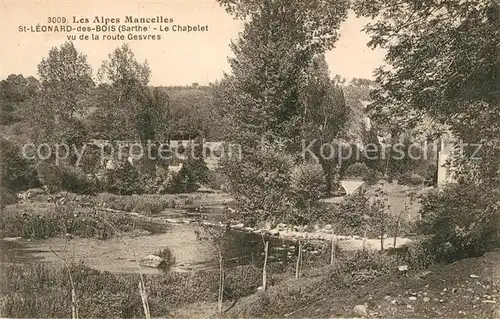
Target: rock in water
{"points": [[152, 261], [361, 311]]}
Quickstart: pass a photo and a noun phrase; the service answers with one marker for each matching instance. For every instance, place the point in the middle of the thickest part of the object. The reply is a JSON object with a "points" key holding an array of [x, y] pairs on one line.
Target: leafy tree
{"points": [[277, 94], [462, 219], [272, 58], [193, 173], [324, 118], [129, 109], [444, 62], [14, 92], [16, 172], [65, 80]]}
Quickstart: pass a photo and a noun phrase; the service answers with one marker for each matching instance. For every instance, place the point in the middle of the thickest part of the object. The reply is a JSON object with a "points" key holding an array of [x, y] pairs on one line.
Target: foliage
{"points": [[142, 204], [65, 80], [49, 220], [462, 220], [191, 113], [216, 180], [357, 170], [62, 177], [14, 92], [449, 50], [270, 69], [260, 183], [128, 108], [430, 175], [417, 255], [193, 173], [16, 171], [411, 179], [307, 183], [7, 197], [42, 290], [359, 212], [353, 269], [123, 179]]}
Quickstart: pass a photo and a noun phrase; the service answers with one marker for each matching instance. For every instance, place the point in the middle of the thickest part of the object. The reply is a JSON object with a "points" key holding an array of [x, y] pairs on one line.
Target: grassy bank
{"points": [[44, 290], [352, 269], [43, 220]]}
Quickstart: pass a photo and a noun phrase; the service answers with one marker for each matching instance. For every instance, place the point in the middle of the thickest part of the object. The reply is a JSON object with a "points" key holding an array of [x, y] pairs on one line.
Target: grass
{"points": [[43, 290], [353, 269], [43, 220], [153, 204]]}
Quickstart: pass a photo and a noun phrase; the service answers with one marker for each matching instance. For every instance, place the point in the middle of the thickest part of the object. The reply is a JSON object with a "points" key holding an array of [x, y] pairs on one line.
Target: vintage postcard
{"points": [[249, 159]]}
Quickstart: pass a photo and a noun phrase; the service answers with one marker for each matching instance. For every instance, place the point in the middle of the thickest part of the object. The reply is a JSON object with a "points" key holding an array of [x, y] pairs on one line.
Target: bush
{"points": [[417, 255], [260, 183], [57, 178], [358, 213], [216, 180], [167, 255], [307, 183], [123, 180], [16, 173], [411, 179], [463, 221], [51, 176], [357, 170], [7, 197], [75, 181]]}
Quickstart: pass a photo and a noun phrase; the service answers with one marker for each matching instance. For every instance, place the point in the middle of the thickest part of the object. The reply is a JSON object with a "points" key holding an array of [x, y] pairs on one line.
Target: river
{"points": [[190, 252]]}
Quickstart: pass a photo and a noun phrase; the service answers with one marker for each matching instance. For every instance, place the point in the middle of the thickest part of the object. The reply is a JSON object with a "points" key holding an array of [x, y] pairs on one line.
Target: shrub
{"points": [[260, 183], [357, 170], [57, 178], [76, 181], [123, 180], [216, 180], [417, 255], [7, 197], [430, 175], [16, 173], [463, 221], [51, 176], [307, 182], [411, 179], [167, 256]]}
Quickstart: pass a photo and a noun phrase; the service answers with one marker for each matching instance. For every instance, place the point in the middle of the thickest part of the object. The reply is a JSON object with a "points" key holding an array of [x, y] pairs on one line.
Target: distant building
{"points": [[351, 186]]}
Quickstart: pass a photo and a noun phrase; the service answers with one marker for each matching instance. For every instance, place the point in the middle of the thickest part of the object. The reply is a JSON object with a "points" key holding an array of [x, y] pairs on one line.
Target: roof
{"points": [[351, 186]]}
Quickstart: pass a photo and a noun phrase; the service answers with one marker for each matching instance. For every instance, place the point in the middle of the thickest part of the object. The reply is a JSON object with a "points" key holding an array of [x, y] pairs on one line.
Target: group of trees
{"points": [[279, 95], [69, 104], [443, 72]]}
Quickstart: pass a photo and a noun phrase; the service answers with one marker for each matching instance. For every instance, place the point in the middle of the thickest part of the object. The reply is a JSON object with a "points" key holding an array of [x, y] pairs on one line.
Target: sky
{"points": [[179, 58]]}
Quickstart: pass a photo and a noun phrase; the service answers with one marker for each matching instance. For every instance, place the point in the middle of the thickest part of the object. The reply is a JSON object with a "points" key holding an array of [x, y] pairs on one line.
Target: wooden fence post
{"points": [[264, 269]]}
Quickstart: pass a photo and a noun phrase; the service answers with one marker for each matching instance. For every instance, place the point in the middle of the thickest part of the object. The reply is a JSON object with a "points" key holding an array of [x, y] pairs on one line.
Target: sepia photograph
{"points": [[250, 159]]}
